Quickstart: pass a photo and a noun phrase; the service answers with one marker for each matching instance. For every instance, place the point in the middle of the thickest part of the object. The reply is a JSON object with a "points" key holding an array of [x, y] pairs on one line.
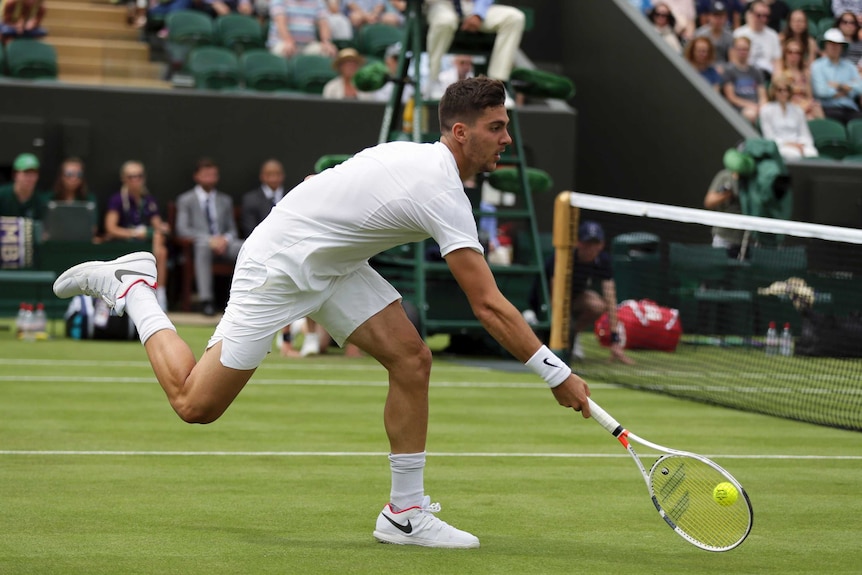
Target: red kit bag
{"points": [[642, 325]]}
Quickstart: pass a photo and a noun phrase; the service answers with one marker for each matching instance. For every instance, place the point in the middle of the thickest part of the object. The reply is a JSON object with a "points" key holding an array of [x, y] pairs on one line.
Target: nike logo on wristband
{"points": [[549, 364], [407, 529]]}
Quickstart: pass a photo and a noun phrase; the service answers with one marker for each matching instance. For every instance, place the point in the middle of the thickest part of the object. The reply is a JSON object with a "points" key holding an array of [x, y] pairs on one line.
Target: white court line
{"points": [[383, 454], [287, 366]]}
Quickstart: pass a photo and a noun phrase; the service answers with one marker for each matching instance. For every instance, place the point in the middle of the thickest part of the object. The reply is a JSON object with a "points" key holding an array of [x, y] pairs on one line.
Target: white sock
{"points": [[408, 479], [146, 313], [162, 297]]}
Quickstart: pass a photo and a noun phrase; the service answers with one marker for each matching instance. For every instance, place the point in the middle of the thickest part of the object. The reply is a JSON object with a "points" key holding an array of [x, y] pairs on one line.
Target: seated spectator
{"points": [[361, 12], [299, 27], [216, 8], [20, 198], [22, 19], [206, 215], [685, 17], [701, 54], [835, 80], [784, 122], [797, 29], [342, 87], [734, 10], [71, 186], [842, 6], [462, 67], [339, 23], [390, 58], [445, 17], [718, 32], [798, 74], [664, 23], [765, 49], [848, 24], [742, 84], [133, 216]]}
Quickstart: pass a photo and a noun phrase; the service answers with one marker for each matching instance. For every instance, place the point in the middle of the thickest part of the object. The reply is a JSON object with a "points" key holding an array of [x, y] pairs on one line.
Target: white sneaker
{"points": [[418, 526], [577, 349], [111, 280], [310, 345]]}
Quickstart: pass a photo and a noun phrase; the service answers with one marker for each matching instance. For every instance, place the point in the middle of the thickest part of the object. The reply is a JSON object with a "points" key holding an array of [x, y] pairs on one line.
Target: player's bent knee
{"points": [[200, 414]]}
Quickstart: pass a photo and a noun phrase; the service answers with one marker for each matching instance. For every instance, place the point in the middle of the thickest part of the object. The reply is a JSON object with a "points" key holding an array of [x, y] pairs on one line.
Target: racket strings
{"points": [[683, 486]]}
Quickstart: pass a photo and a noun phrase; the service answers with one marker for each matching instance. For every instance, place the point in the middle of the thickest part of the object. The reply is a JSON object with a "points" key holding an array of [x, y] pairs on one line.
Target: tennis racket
{"points": [[690, 491]]}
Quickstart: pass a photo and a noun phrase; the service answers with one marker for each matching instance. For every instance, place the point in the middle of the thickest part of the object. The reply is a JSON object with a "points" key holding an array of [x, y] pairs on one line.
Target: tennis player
{"points": [[309, 257]]}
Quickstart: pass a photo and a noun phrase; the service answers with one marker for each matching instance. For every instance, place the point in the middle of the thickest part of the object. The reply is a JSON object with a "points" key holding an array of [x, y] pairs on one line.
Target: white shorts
{"points": [[264, 299]]}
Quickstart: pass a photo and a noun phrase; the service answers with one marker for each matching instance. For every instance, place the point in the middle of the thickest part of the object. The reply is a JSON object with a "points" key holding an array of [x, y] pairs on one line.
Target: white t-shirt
{"points": [[385, 196], [765, 46]]}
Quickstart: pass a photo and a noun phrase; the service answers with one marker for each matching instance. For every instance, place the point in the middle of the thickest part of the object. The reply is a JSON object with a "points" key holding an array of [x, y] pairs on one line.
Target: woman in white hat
{"points": [[342, 87]]}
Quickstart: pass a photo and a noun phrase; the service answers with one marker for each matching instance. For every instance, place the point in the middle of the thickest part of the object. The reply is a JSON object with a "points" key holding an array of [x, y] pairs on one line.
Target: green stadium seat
{"points": [[190, 27], [239, 32], [264, 71], [31, 59], [830, 138], [214, 68], [310, 73], [375, 38], [330, 161], [854, 135]]}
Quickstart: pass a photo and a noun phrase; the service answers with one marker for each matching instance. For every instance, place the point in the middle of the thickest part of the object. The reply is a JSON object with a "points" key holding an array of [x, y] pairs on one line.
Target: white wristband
{"points": [[549, 367]]}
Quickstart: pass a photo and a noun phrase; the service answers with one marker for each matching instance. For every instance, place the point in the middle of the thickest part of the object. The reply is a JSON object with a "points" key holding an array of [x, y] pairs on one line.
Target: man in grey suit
{"points": [[206, 215], [257, 203]]}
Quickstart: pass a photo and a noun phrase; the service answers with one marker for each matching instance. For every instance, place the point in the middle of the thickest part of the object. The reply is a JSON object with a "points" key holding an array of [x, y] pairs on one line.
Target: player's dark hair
{"points": [[465, 100]]}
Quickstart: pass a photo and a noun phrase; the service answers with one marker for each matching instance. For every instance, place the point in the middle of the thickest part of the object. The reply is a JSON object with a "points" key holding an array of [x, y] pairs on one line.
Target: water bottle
{"points": [[771, 339], [786, 344], [40, 322], [19, 321], [27, 333]]}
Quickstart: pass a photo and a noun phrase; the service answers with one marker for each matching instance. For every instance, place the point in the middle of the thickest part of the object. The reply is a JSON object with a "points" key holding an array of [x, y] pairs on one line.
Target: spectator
{"points": [[461, 68], [723, 196], [20, 198], [797, 73], [835, 80], [700, 53], [784, 122], [339, 24], [779, 12], [133, 216], [361, 12], [342, 87], [849, 26], [206, 215], [71, 186], [216, 8], [591, 271], [797, 29], [717, 30], [742, 84], [664, 23], [300, 27], [158, 11], [22, 19], [444, 19], [765, 48], [685, 16]]}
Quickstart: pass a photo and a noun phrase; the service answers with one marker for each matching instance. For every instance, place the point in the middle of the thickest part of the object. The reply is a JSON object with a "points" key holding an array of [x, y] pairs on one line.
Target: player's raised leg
{"points": [[408, 519], [199, 392]]}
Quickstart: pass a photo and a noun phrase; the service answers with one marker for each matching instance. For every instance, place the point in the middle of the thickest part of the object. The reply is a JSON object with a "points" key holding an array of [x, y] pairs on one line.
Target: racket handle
{"points": [[604, 419]]}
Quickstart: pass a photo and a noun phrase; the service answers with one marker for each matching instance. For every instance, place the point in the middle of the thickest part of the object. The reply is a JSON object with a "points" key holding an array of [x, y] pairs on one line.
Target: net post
{"points": [[565, 223]]}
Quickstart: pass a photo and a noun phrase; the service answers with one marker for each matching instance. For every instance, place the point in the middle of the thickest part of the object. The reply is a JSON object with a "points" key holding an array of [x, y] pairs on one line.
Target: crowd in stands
{"points": [[21, 19], [780, 64]]}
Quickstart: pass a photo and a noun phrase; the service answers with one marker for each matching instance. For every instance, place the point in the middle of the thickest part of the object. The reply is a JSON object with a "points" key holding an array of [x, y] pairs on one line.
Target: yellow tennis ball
{"points": [[725, 493]]}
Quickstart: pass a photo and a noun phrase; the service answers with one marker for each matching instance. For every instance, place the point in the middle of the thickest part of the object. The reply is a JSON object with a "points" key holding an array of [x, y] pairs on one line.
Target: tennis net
{"points": [[804, 277]]}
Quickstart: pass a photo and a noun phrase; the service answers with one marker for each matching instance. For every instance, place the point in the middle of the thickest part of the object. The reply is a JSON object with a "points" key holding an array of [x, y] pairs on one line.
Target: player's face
{"points": [[487, 138]]}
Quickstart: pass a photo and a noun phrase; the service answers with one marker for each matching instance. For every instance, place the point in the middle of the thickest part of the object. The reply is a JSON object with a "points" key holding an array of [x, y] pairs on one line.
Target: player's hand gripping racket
{"points": [[701, 501]]}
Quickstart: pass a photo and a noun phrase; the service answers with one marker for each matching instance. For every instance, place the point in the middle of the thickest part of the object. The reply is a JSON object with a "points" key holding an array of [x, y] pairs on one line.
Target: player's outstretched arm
{"points": [[505, 324]]}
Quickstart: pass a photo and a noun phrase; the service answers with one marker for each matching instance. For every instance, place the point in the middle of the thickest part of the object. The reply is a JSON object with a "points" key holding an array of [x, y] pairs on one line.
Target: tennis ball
{"points": [[725, 493]]}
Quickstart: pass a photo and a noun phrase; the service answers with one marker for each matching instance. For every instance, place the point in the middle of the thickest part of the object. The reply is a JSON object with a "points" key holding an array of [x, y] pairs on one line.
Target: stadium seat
{"points": [[830, 138], [703, 284], [239, 32], [190, 27], [375, 38], [214, 68], [854, 135], [814, 9], [330, 161], [311, 72], [31, 59], [264, 71]]}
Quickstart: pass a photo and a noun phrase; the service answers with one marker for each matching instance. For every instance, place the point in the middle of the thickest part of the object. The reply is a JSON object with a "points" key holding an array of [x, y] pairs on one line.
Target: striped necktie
{"points": [[210, 210], [458, 9]]}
